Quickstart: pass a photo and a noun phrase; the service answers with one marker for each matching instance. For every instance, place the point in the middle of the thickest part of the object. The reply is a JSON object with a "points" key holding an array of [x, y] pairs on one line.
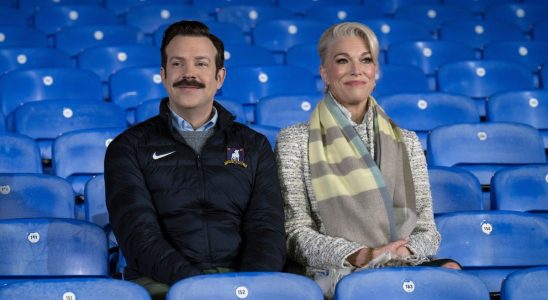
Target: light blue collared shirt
{"points": [[182, 125]]}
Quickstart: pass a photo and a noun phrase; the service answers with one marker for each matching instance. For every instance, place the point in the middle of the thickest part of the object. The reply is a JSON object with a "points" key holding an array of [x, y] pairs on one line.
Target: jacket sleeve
{"points": [[134, 219], [307, 245], [263, 234], [425, 238]]}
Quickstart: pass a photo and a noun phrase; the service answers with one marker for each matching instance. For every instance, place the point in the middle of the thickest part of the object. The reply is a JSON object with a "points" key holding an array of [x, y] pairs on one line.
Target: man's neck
{"points": [[197, 116]]}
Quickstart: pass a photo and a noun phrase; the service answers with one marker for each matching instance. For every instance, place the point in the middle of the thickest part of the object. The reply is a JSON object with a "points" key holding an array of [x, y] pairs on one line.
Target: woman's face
{"points": [[349, 70]]}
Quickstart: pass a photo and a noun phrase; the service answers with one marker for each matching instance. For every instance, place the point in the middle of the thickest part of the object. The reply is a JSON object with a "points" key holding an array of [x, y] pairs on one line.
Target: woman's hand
{"points": [[395, 248], [361, 257]]}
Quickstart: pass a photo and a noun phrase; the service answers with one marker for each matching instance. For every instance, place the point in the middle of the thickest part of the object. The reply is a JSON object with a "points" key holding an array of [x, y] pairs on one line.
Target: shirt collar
{"points": [[182, 125], [347, 113]]}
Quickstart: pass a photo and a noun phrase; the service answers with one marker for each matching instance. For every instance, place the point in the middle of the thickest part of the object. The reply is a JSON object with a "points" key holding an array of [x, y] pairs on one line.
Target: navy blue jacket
{"points": [[176, 213]]}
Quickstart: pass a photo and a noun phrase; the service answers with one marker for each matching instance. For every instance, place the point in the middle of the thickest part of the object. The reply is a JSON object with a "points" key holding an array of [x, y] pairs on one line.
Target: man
{"points": [[190, 191]]}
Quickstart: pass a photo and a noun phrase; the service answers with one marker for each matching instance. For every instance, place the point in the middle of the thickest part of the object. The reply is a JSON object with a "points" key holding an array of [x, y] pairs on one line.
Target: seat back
{"points": [[34, 57], [477, 33], [77, 288], [10, 16], [454, 189], [21, 86], [280, 35], [530, 53], [131, 86], [246, 17], [121, 7], [301, 7], [260, 285], [266, 81], [19, 154], [35, 196], [52, 247], [410, 283], [106, 60], [540, 31], [390, 31], [149, 17], [394, 79], [428, 55], [31, 6], [95, 201], [525, 106], [526, 284], [494, 239], [434, 15], [476, 6], [52, 18], [391, 6], [237, 55], [521, 188], [19, 36], [74, 39], [522, 14], [336, 13], [284, 110]]}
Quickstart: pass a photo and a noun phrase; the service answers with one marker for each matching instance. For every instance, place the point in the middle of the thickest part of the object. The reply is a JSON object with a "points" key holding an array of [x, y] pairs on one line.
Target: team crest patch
{"points": [[235, 156]]}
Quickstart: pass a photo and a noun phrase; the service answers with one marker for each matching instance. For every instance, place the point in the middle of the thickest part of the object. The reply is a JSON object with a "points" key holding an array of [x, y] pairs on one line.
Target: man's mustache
{"points": [[189, 82]]}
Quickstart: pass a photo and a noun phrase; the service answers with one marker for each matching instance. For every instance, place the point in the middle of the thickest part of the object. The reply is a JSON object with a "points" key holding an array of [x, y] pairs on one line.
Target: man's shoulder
{"points": [[136, 133]]}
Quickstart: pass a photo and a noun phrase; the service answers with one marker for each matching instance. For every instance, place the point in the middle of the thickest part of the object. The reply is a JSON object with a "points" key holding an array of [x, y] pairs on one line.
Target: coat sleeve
{"points": [[263, 234], [134, 219], [425, 238], [307, 245]]}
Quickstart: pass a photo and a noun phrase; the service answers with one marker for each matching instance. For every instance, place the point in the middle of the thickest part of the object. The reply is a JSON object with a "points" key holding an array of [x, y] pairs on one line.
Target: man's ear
{"points": [[220, 77]]}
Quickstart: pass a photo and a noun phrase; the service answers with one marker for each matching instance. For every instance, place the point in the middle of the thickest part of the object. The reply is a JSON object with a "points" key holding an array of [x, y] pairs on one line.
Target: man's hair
{"points": [[196, 29]]}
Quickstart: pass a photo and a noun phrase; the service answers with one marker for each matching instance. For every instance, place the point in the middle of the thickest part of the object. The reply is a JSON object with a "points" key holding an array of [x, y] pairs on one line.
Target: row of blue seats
{"points": [[519, 188], [423, 283], [426, 11], [484, 243]]}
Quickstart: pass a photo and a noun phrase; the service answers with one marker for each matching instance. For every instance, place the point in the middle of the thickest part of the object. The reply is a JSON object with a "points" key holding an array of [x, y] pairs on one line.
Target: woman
{"points": [[355, 185]]}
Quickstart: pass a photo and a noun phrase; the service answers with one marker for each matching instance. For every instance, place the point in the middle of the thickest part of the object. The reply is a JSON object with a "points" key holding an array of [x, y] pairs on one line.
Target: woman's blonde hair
{"points": [[349, 29]]}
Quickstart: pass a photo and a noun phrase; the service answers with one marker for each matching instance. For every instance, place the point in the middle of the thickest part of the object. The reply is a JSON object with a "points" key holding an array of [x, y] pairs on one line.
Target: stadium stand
{"points": [[120, 7], [454, 189], [32, 6], [395, 79], [246, 17], [390, 7], [51, 19], [301, 7], [19, 154], [284, 110], [522, 14], [526, 284], [12, 17], [148, 18], [434, 15], [18, 36], [32, 57], [478, 33], [344, 13], [237, 55]]}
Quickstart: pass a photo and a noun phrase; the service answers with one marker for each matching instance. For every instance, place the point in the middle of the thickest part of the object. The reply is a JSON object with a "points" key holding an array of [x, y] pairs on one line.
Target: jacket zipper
{"points": [[206, 221]]}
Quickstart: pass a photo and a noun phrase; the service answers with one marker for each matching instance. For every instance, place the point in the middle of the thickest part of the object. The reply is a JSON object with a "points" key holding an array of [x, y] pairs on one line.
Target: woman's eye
{"points": [[341, 61], [367, 60]]}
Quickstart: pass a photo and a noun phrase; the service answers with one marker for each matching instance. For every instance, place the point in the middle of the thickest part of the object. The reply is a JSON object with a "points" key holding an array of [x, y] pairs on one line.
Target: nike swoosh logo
{"points": [[155, 156]]}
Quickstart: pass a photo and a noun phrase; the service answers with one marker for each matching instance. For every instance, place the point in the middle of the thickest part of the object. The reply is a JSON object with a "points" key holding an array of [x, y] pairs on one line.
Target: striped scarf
{"points": [[365, 200]]}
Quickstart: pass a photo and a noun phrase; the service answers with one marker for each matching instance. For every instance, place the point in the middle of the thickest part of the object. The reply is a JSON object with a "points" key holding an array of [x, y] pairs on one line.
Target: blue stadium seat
{"points": [[266, 81], [41, 247], [31, 6], [393, 79], [35, 196], [73, 40], [79, 155], [484, 148], [424, 283], [148, 18], [121, 7], [454, 189], [526, 284], [433, 15], [280, 35], [478, 33], [2, 123], [522, 188], [303, 6], [284, 110], [492, 244], [78, 288], [106, 60], [21, 86], [522, 14], [422, 112], [237, 55], [32, 57], [214, 6], [95, 201], [10, 16], [246, 17], [390, 31], [531, 53], [260, 285], [306, 56], [131, 86], [476, 6], [481, 79], [19, 36], [522, 106], [428, 55], [391, 6], [234, 108], [271, 133], [229, 33], [19, 154], [336, 13], [51, 19], [540, 31], [46, 120]]}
